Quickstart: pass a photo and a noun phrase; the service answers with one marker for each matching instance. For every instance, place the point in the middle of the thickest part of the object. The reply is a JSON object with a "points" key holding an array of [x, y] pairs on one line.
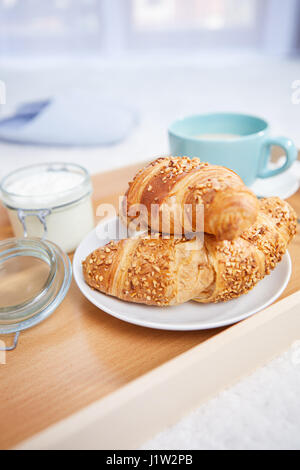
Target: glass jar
{"points": [[50, 209], [50, 201]]}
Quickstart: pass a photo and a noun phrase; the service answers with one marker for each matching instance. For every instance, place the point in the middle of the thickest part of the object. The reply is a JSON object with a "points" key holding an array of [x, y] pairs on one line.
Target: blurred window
{"points": [[195, 23], [107, 27], [41, 26], [153, 15]]}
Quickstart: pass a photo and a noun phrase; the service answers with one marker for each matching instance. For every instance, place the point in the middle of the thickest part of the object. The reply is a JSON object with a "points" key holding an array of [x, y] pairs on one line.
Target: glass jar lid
{"points": [[35, 276]]}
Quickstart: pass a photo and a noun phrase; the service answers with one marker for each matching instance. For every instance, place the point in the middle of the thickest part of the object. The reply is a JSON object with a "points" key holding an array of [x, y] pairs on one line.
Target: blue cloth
{"points": [[74, 118]]}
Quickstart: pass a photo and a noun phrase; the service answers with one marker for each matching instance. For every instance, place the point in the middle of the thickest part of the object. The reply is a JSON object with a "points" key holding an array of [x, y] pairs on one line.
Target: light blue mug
{"points": [[238, 141]]}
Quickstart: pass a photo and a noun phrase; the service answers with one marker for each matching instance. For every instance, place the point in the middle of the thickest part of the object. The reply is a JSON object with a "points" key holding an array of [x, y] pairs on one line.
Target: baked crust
{"points": [[177, 191], [165, 272]]}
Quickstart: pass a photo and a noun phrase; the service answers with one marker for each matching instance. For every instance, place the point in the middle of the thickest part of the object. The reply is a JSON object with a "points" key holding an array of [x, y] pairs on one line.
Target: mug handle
{"points": [[291, 155]]}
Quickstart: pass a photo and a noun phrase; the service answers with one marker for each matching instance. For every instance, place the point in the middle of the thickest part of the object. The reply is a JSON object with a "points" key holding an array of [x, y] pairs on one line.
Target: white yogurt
{"points": [[61, 192], [46, 183]]}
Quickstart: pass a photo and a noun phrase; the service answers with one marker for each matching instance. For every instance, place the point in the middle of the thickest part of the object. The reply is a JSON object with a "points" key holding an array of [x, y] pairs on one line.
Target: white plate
{"points": [[283, 185], [188, 316]]}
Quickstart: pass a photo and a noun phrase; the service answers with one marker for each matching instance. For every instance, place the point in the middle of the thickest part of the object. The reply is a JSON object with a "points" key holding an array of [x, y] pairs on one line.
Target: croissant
{"points": [[170, 271], [176, 192]]}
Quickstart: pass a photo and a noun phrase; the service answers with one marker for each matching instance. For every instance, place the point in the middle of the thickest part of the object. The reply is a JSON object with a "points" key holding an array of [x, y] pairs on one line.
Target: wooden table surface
{"points": [[81, 354]]}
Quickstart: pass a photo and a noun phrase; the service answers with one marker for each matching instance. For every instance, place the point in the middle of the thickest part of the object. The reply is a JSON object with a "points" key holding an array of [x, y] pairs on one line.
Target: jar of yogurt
{"points": [[50, 201]]}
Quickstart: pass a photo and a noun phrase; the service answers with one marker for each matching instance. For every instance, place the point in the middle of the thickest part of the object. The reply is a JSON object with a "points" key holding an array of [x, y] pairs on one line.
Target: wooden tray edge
{"points": [[131, 415]]}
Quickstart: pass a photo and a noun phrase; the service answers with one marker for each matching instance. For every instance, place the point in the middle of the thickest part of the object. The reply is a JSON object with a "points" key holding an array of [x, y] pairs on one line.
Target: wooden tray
{"points": [[88, 380]]}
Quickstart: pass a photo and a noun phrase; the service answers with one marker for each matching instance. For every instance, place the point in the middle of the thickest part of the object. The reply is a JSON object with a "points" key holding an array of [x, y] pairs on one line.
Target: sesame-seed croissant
{"points": [[178, 195], [158, 271]]}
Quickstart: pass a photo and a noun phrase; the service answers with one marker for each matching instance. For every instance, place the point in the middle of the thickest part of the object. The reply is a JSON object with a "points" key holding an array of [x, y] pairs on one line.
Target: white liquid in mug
{"points": [[216, 136]]}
